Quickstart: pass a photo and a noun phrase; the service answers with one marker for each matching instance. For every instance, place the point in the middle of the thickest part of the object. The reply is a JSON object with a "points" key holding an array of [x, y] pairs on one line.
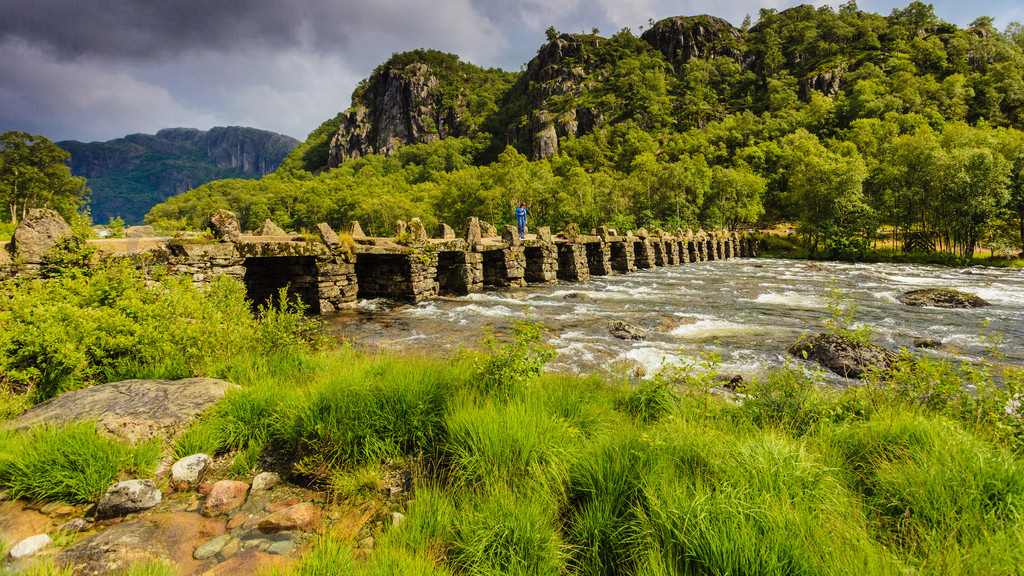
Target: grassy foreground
{"points": [[519, 471]]}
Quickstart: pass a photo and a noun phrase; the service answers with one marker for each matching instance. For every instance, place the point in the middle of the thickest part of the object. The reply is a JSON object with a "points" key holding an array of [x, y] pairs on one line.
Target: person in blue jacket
{"points": [[521, 219]]}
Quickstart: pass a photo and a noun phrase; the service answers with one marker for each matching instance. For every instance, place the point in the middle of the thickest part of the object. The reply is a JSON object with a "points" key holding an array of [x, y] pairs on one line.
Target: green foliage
{"points": [[71, 463], [512, 366], [116, 227], [842, 311], [649, 401], [33, 175], [72, 331]]}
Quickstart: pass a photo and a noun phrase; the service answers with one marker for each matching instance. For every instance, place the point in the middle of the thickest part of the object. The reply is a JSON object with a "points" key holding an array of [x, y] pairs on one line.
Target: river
{"points": [[746, 311]]}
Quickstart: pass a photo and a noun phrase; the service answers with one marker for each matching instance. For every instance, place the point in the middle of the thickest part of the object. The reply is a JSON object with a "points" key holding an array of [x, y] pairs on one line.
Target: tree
{"points": [[33, 175]]}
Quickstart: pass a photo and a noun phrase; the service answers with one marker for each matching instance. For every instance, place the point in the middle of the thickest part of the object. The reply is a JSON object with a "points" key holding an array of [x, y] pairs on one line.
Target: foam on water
{"points": [[789, 298], [707, 328]]}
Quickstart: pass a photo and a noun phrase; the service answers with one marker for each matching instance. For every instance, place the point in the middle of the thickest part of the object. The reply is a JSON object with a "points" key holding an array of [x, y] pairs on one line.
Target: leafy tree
{"points": [[33, 175]]}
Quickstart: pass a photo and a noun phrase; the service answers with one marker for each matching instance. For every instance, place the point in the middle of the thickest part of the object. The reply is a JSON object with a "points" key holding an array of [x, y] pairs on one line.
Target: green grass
{"points": [[71, 463]]}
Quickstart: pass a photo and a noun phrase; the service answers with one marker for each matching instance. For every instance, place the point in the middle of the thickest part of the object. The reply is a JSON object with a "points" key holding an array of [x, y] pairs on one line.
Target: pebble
{"points": [[212, 547], [282, 548], [231, 548], [265, 481], [366, 543], [397, 519], [72, 526], [188, 472], [30, 546]]}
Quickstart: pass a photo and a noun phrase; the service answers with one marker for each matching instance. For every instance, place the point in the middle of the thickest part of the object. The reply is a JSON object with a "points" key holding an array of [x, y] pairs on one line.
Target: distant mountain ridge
{"points": [[130, 175]]}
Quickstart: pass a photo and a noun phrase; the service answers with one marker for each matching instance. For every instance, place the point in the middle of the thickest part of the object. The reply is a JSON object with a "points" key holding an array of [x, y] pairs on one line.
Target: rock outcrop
{"points": [[683, 38], [844, 356], [37, 233], [133, 410], [942, 298], [401, 105]]}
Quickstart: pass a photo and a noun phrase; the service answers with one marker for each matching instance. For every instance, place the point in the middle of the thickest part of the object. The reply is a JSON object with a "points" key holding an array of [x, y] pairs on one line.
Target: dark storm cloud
{"points": [[143, 28]]}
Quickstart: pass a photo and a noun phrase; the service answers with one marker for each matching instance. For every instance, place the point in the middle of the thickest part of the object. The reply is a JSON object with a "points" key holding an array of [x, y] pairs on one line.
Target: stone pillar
{"points": [[599, 258], [701, 246], [572, 263], [660, 257], [682, 247], [710, 250], [422, 274], [336, 282], [643, 253], [460, 272], [720, 247], [622, 256], [672, 252], [541, 262]]}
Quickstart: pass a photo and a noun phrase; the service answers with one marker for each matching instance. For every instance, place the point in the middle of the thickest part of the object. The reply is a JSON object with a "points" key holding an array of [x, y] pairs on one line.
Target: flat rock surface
{"points": [[164, 537], [942, 298], [133, 410]]}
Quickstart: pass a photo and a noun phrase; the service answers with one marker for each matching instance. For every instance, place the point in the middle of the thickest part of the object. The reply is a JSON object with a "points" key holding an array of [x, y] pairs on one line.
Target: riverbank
{"points": [[788, 245], [511, 469]]}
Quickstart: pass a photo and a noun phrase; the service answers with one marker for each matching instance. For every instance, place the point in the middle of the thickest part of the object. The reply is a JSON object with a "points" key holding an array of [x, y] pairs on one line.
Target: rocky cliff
{"points": [[130, 175]]}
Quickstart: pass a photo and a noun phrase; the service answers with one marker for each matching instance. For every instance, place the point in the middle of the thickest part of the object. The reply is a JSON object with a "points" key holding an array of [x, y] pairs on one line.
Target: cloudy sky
{"points": [[99, 69]]}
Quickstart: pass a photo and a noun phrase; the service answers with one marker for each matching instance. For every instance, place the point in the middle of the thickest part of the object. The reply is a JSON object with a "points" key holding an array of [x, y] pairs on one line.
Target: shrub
{"points": [[510, 367]]}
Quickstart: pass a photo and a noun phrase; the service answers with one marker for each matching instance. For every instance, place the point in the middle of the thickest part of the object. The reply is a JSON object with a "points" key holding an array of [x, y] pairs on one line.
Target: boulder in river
{"points": [[927, 343], [128, 497], [625, 331], [942, 298], [844, 356], [576, 296]]}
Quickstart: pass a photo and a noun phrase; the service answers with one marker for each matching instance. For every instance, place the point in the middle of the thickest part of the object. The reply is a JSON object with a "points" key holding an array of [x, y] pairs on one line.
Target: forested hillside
{"points": [[841, 121], [130, 175]]}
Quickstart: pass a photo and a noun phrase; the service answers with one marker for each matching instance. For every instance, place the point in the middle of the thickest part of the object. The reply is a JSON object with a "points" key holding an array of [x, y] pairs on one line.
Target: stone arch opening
{"points": [[455, 273], [265, 277], [598, 262], [383, 276]]}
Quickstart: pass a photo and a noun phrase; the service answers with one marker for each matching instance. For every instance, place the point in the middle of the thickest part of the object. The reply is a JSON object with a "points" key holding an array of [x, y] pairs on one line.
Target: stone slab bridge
{"points": [[331, 272]]}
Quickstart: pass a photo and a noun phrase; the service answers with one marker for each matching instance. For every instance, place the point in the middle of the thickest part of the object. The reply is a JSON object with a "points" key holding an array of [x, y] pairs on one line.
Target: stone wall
{"points": [[572, 263], [541, 263], [599, 258]]}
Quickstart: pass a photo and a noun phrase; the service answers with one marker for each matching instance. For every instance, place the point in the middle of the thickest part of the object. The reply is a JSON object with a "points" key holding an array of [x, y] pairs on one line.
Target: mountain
{"points": [[682, 72], [130, 175]]}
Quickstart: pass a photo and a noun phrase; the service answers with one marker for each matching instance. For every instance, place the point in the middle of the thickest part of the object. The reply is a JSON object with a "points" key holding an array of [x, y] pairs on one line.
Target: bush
{"points": [[73, 331], [510, 367]]}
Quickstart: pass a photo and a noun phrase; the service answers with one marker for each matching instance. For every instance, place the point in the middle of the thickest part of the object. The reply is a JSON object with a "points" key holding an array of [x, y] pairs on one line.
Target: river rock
{"points": [[134, 410], [127, 497], [224, 497], [576, 296], [942, 298], [29, 546], [842, 355], [73, 526], [625, 331], [188, 472], [37, 233], [265, 481], [225, 225], [927, 343], [116, 548], [268, 228], [302, 516], [212, 547]]}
